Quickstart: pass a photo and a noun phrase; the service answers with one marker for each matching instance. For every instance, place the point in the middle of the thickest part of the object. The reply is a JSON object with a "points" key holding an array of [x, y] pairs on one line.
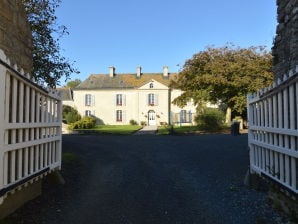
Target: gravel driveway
{"points": [[152, 179]]}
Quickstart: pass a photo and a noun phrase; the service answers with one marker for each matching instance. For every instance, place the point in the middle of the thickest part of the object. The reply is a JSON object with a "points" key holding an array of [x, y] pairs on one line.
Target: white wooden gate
{"points": [[30, 129], [273, 134]]}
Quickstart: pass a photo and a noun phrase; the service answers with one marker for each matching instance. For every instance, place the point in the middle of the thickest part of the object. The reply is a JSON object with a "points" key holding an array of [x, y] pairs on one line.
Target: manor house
{"points": [[143, 97]]}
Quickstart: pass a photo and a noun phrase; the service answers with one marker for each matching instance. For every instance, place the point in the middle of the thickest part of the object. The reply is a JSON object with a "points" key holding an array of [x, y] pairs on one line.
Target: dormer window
{"points": [[151, 85]]}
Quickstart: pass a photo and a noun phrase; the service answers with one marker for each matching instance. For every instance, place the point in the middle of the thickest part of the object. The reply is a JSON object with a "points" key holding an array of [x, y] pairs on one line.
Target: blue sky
{"points": [[154, 33]]}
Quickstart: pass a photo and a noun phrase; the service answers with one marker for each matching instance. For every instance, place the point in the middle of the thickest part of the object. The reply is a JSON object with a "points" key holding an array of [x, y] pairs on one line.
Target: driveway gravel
{"points": [[151, 179]]}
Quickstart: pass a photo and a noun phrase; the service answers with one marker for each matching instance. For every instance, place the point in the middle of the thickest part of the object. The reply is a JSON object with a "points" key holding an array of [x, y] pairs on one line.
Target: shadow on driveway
{"points": [[151, 179]]}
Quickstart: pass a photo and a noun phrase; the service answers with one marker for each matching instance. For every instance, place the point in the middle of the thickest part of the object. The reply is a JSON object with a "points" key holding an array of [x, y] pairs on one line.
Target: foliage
{"points": [[72, 117], [65, 110], [74, 83], [133, 122], [143, 123], [70, 114], [48, 64], [211, 119], [85, 123], [225, 74]]}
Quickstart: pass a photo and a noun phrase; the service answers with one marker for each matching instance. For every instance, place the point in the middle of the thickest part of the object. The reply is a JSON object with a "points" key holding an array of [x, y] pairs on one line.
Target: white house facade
{"points": [[143, 97]]}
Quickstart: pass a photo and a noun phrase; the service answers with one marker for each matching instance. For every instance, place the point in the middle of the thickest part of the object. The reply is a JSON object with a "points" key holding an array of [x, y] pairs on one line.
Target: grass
{"points": [[185, 129], [164, 130], [180, 130], [114, 129], [167, 130]]}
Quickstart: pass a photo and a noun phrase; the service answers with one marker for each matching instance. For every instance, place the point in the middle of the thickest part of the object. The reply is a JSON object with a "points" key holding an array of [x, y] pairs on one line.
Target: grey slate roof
{"points": [[65, 93], [123, 81]]}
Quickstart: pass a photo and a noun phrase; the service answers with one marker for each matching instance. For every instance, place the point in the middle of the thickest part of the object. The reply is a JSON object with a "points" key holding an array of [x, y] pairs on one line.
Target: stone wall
{"points": [[285, 49], [15, 34]]}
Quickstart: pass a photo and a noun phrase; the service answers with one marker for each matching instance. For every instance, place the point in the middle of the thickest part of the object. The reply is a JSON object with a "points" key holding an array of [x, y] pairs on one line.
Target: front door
{"points": [[151, 118]]}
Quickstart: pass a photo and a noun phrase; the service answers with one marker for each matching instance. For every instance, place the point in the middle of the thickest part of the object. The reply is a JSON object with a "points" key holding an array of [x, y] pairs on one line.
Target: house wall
{"points": [[175, 109], [135, 106], [69, 103]]}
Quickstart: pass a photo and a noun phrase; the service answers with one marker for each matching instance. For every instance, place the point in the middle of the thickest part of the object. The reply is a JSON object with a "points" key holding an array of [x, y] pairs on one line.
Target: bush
{"points": [[133, 122], [211, 119], [65, 110], [85, 123], [143, 123], [70, 114], [72, 117]]}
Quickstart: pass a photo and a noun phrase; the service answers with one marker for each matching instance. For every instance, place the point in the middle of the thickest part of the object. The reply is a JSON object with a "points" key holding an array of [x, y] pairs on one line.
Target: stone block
{"points": [[19, 198]]}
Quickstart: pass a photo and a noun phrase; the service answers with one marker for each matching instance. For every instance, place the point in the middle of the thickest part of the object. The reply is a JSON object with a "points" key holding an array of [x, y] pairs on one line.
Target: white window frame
{"points": [[151, 99], [88, 100], [119, 99], [88, 113], [183, 116], [119, 115]]}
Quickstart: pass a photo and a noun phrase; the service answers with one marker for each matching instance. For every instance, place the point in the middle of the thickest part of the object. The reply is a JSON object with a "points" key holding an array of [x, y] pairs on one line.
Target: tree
{"points": [[225, 74], [48, 64], [73, 83]]}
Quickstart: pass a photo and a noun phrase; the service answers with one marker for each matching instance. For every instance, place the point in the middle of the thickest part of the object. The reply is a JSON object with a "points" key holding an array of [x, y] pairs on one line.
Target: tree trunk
{"points": [[228, 115]]}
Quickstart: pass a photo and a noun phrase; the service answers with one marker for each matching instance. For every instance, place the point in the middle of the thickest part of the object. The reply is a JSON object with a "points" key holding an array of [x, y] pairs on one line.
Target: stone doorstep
{"points": [[17, 199]]}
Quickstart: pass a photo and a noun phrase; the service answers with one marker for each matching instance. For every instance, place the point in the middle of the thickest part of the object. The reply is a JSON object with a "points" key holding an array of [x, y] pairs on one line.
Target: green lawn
{"points": [[114, 129], [166, 130], [185, 129]]}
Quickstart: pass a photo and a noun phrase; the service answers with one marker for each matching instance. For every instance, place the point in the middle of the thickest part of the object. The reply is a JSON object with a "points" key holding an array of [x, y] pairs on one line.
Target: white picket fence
{"points": [[30, 129], [273, 134]]}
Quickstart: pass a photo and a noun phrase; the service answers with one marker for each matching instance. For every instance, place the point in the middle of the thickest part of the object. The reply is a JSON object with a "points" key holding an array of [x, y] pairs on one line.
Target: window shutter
{"points": [[115, 100], [123, 99], [124, 116], [156, 99], [180, 118], [93, 100], [148, 99], [85, 99]]}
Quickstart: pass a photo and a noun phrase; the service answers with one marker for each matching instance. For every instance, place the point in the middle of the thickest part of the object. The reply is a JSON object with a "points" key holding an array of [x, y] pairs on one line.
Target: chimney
{"points": [[165, 71], [139, 71], [112, 71]]}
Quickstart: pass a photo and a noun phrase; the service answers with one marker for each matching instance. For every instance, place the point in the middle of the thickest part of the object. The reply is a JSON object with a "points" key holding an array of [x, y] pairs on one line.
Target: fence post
{"points": [[59, 119], [2, 123]]}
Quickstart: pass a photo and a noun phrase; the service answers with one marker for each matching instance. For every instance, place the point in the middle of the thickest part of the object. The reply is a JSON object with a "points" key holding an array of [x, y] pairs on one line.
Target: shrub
{"points": [[211, 119], [65, 110], [143, 123], [84, 123], [133, 122], [70, 114], [72, 117]]}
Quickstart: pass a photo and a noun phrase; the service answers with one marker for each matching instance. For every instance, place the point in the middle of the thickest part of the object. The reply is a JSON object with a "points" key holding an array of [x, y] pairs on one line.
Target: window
{"points": [[88, 100], [88, 113], [119, 115], [152, 99], [151, 85], [183, 116], [119, 99]]}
